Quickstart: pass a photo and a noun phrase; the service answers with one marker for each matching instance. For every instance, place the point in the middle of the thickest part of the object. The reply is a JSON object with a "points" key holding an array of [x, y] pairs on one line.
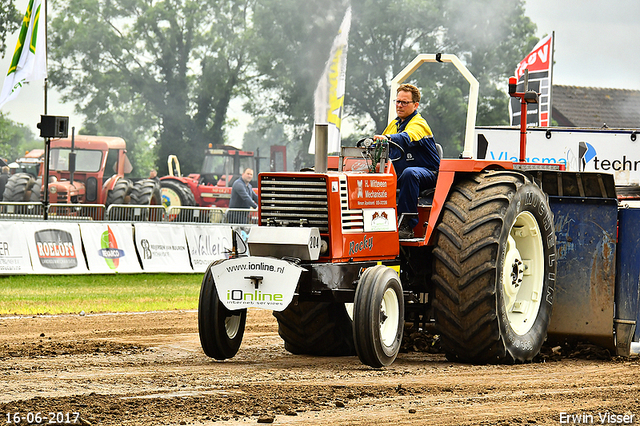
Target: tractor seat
{"points": [[425, 198]]}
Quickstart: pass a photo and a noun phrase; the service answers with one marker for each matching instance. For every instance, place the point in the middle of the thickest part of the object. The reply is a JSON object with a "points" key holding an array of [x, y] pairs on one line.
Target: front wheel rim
{"points": [[232, 326], [523, 273], [389, 317]]}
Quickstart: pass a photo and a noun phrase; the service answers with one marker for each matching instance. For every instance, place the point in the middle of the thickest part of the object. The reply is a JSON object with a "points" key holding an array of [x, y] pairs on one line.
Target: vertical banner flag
{"points": [[540, 65], [329, 94], [29, 58]]}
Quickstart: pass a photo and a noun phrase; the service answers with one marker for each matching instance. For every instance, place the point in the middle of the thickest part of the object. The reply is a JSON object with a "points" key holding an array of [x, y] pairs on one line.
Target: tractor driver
{"points": [[417, 167]]}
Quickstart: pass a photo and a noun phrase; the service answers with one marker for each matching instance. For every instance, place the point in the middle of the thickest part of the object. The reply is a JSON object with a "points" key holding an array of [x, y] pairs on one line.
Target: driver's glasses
{"points": [[403, 103]]}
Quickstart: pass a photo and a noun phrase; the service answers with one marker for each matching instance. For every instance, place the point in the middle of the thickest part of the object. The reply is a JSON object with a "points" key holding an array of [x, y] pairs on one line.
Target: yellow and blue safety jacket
{"points": [[414, 135]]}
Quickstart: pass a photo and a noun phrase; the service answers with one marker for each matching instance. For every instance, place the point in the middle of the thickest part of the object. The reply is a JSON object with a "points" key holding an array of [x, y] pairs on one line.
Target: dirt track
{"points": [[149, 369]]}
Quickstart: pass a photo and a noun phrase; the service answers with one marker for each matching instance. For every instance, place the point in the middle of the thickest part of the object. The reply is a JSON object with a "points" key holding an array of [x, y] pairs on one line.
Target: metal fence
{"points": [[21, 211], [75, 212], [127, 213]]}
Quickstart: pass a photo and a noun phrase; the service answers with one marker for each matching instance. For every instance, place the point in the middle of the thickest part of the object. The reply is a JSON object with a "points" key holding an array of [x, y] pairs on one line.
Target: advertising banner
{"points": [[162, 247], [260, 282], [14, 252], [579, 150], [109, 248], [55, 248], [207, 243]]}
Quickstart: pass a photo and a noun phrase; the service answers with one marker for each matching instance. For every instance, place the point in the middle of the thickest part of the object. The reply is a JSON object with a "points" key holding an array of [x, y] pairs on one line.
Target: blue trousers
{"points": [[411, 181]]}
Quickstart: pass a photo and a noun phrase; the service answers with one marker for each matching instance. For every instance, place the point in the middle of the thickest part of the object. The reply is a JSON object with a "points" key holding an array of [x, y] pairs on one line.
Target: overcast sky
{"points": [[597, 44]]}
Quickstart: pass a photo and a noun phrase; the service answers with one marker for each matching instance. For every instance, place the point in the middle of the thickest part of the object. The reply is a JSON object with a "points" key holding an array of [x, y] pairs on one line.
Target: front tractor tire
{"points": [[494, 269], [220, 329], [378, 316]]}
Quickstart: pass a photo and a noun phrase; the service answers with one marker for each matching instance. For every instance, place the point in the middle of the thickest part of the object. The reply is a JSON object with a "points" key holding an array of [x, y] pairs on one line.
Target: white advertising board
{"points": [[260, 282], [109, 247], [162, 247], [616, 152], [207, 243], [55, 248], [14, 252]]}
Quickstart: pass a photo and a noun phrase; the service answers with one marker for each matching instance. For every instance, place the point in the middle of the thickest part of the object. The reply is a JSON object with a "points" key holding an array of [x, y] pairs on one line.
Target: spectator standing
{"points": [[4, 177], [242, 197]]}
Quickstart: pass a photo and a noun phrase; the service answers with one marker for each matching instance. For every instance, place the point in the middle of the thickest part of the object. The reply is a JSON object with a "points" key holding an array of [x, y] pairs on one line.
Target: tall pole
{"points": [[47, 140]]}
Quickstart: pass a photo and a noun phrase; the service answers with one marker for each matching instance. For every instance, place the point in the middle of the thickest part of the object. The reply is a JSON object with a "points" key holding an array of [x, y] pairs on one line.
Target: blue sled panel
{"points": [[627, 277], [585, 282]]}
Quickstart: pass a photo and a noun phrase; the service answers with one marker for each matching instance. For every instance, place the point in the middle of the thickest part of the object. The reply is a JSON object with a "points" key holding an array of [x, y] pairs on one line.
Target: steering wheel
{"points": [[370, 144]]}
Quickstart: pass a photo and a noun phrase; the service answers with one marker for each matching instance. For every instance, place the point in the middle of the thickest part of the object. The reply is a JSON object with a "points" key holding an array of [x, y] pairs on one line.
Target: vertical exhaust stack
{"points": [[322, 148]]}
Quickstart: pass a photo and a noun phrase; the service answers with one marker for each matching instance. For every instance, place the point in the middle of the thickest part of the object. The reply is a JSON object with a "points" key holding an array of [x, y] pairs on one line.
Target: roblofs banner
{"points": [[162, 247], [109, 248], [55, 248], [14, 252]]}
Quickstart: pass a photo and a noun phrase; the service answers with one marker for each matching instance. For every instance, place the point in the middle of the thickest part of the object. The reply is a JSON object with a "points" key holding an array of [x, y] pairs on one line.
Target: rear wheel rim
{"points": [[523, 273], [170, 197]]}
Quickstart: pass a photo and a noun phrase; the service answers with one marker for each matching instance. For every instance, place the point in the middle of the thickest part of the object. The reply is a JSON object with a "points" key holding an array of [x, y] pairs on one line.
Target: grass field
{"points": [[53, 294]]}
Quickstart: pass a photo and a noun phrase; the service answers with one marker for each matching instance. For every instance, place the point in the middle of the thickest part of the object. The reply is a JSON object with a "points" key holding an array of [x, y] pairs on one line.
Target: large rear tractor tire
{"points": [[176, 194], [220, 329], [494, 269], [378, 316], [121, 192], [316, 328], [36, 190], [19, 188], [146, 192]]}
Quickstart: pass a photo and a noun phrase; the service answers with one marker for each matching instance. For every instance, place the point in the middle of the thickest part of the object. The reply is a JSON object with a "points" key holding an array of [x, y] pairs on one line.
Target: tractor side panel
{"points": [[585, 281], [585, 212], [627, 277]]}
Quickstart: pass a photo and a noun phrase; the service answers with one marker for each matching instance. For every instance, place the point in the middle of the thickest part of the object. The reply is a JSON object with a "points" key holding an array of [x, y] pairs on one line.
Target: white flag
{"points": [[329, 95], [29, 58]]}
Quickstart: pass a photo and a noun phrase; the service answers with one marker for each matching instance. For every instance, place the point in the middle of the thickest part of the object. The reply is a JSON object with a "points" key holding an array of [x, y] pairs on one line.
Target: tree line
{"points": [[162, 74]]}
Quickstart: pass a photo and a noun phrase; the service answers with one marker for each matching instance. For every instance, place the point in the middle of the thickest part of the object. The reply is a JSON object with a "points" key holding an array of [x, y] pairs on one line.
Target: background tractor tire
{"points": [[36, 189], [146, 192], [494, 269], [316, 328], [220, 329], [19, 188], [120, 194], [176, 193]]}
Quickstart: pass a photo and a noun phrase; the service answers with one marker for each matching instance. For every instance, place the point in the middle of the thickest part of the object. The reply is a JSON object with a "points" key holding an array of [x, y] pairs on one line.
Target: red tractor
{"points": [[212, 186], [498, 245], [86, 170], [24, 184]]}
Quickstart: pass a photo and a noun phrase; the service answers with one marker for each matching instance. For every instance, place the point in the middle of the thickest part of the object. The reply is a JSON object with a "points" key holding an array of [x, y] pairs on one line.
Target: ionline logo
{"points": [[256, 296]]}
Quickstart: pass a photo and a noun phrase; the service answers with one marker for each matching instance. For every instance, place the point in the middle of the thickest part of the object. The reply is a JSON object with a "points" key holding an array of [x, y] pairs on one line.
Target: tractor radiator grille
{"points": [[352, 220], [294, 201]]}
